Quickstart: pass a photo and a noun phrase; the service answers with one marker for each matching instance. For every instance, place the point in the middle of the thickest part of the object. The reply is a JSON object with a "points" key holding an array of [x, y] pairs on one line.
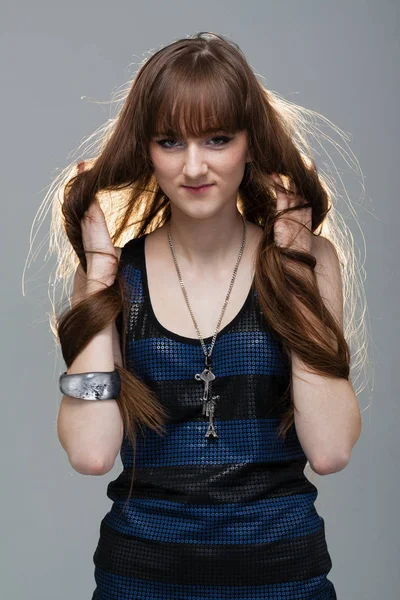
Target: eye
{"points": [[162, 142], [223, 138]]}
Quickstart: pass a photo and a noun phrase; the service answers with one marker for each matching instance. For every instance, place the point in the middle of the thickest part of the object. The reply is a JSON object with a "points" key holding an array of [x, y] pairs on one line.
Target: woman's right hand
{"points": [[96, 238]]}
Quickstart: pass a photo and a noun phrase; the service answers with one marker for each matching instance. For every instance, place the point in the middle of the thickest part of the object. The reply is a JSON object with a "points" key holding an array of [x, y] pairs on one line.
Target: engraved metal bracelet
{"points": [[101, 385]]}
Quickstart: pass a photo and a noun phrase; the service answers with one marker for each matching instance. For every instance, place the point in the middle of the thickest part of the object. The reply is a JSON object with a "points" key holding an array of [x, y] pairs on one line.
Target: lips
{"points": [[196, 187]]}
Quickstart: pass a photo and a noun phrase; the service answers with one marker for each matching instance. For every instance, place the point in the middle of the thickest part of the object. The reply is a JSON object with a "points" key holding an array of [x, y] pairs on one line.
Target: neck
{"points": [[203, 243]]}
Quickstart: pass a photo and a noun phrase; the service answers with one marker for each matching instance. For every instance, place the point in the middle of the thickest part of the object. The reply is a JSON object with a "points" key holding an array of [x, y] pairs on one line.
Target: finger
{"points": [[281, 197], [281, 188], [290, 192]]}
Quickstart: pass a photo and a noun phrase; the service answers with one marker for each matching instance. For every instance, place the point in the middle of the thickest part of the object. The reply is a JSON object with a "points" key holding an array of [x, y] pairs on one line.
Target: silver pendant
{"points": [[210, 409], [208, 403]]}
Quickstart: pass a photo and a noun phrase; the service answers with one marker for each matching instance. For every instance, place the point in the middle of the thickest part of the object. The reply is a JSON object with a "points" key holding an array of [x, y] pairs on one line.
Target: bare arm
{"points": [[327, 416], [91, 431]]}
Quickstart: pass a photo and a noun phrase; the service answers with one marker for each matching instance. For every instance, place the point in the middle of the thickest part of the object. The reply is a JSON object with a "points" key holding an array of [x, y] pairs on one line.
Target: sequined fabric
{"points": [[225, 518]]}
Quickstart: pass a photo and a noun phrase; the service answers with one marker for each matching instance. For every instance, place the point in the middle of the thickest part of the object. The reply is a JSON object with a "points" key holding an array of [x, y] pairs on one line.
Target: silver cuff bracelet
{"points": [[102, 385]]}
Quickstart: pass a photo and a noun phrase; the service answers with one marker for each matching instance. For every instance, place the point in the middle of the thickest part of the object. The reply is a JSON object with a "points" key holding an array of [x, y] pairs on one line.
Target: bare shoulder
{"points": [[325, 252], [329, 277], [322, 245]]}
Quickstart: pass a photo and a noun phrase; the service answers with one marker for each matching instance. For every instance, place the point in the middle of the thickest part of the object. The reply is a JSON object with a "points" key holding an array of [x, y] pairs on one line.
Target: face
{"points": [[219, 160]]}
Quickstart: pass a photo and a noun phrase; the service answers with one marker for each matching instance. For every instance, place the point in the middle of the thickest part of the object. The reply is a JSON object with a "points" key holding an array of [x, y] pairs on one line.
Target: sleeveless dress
{"points": [[221, 518]]}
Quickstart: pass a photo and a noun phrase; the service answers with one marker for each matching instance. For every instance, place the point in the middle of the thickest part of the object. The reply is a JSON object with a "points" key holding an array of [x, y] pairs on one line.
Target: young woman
{"points": [[207, 311]]}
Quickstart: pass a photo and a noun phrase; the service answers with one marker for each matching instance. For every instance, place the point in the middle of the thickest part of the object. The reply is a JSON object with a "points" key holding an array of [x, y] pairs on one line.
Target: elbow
{"points": [[89, 466], [329, 465]]}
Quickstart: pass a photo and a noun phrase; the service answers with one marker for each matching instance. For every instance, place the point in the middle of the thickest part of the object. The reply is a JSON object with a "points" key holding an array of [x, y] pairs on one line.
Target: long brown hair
{"points": [[190, 87]]}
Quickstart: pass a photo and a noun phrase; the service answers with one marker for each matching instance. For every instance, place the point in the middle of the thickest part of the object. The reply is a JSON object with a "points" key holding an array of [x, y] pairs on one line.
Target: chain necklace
{"points": [[207, 376]]}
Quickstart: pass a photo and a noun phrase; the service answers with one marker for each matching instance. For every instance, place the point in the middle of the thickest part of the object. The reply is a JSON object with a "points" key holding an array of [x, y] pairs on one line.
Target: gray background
{"points": [[338, 58]]}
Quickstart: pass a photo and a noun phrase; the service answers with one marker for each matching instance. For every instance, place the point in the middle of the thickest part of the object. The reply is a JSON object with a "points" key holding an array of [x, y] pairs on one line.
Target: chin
{"points": [[198, 211]]}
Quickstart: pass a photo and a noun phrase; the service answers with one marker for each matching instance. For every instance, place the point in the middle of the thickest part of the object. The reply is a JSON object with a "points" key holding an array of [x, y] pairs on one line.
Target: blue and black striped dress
{"points": [[221, 518]]}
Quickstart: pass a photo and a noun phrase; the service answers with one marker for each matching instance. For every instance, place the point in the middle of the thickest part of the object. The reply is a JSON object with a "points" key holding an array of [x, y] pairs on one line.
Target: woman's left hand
{"points": [[288, 230]]}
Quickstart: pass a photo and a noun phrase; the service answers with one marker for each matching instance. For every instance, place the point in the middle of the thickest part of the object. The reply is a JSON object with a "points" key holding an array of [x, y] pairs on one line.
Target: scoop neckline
{"points": [[171, 334]]}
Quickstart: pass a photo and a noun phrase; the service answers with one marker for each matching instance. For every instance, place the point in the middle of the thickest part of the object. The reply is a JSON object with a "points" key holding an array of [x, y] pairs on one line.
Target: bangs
{"points": [[196, 106]]}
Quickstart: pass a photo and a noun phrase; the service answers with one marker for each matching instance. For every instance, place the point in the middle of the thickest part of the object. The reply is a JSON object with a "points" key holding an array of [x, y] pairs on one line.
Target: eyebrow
{"points": [[205, 133]]}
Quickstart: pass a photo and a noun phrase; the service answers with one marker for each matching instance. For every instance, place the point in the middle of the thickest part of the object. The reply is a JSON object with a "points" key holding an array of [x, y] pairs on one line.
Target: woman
{"points": [[207, 310]]}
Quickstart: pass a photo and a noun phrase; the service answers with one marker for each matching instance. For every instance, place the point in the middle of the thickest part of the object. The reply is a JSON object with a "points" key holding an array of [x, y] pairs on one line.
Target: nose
{"points": [[194, 165]]}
